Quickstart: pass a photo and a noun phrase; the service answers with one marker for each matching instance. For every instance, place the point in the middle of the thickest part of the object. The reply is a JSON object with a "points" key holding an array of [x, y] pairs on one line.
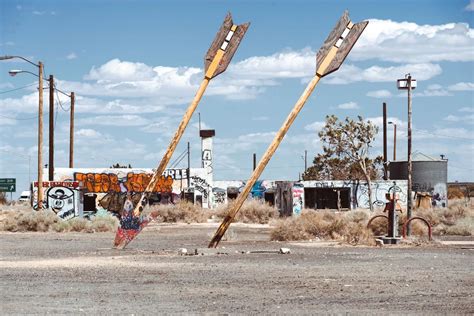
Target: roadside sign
{"points": [[7, 185]]}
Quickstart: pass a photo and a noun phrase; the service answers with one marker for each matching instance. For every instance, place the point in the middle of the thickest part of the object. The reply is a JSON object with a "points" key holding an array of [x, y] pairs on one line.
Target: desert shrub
{"points": [[104, 224], [78, 225], [27, 220], [3, 198], [357, 233], [324, 225], [455, 193], [183, 212], [463, 227], [289, 228], [379, 226], [252, 211]]}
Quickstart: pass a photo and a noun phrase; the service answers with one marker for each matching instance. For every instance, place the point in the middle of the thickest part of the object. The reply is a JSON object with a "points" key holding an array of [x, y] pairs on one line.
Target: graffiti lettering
{"points": [[201, 185], [133, 182]]}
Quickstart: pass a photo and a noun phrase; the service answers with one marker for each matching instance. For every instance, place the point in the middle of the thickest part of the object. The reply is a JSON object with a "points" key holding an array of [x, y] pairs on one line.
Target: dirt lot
{"points": [[80, 273]]}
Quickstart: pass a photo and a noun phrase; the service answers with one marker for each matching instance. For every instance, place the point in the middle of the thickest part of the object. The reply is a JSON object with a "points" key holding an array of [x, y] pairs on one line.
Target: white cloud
{"points": [[433, 90], [39, 12], [406, 42], [260, 118], [462, 86], [114, 120], [7, 121], [87, 132], [71, 56], [470, 6], [465, 118], [350, 73], [287, 64], [379, 94], [467, 109], [315, 126], [348, 106]]}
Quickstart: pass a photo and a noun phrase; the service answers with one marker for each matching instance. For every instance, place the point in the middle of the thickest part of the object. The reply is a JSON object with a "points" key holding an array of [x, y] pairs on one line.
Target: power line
{"points": [[6, 91]]}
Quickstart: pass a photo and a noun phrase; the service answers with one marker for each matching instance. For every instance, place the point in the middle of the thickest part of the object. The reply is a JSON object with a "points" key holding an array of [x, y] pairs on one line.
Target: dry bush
{"points": [[379, 226], [183, 212], [28, 220], [463, 227], [252, 211], [457, 219], [3, 198], [455, 193], [104, 224], [324, 225]]}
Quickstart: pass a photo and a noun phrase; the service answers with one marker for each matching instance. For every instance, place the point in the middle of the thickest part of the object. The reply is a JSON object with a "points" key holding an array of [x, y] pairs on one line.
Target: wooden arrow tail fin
{"points": [[346, 47], [343, 37], [227, 41]]}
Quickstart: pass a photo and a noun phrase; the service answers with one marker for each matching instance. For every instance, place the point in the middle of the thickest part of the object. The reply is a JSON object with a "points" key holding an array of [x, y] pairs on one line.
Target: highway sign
{"points": [[7, 185]]}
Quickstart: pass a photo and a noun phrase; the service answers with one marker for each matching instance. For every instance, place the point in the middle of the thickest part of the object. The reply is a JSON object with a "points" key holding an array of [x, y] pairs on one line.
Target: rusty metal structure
{"points": [[217, 59], [328, 59]]}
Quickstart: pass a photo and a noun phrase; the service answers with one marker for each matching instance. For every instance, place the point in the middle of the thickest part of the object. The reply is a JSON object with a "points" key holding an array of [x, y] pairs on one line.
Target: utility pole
{"points": [[408, 83], [394, 142], [254, 161], [40, 136], [189, 165], [410, 167], [305, 160], [51, 129], [385, 141], [71, 132]]}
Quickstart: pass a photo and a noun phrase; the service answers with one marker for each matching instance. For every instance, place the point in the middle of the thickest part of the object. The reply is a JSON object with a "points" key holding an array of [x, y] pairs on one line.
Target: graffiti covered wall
{"points": [[358, 191], [107, 188], [61, 197]]}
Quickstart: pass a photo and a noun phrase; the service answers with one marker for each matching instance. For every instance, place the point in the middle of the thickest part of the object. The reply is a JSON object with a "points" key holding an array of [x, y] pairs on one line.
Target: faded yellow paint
{"points": [[214, 64]]}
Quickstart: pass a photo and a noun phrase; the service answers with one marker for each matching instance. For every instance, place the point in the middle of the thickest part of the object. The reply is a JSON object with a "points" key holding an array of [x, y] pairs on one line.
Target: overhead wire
{"points": [[19, 88]]}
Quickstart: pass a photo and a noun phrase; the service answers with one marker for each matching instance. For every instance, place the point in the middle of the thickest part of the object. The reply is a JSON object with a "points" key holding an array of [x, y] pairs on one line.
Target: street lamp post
{"points": [[408, 83], [394, 140], [40, 125], [52, 88]]}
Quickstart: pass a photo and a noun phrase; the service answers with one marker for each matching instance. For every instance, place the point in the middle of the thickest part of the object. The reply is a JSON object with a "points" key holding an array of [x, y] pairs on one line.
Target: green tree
{"points": [[345, 154]]}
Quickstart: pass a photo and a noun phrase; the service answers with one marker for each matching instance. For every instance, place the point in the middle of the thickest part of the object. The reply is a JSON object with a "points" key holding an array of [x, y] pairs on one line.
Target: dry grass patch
{"points": [[252, 211], [25, 219], [183, 212], [349, 227]]}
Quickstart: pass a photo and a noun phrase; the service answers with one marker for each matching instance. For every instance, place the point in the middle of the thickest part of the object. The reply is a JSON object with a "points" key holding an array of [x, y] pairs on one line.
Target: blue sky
{"points": [[135, 65]]}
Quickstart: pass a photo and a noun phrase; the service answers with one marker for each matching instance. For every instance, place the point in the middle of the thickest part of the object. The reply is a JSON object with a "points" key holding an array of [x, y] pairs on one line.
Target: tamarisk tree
{"points": [[345, 154]]}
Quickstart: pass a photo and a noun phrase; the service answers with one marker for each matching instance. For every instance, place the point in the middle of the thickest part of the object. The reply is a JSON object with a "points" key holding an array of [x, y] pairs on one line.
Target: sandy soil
{"points": [[79, 273]]}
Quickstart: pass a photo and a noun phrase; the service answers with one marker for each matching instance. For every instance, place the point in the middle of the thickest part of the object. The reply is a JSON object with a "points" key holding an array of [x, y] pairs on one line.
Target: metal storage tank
{"points": [[429, 175]]}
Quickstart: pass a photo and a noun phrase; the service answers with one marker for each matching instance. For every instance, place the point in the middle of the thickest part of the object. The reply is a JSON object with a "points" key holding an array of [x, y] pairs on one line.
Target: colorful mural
{"points": [[61, 197]]}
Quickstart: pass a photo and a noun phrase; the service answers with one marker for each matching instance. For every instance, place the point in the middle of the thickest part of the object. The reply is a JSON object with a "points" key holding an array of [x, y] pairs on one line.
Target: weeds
{"points": [[27, 220], [183, 212], [252, 211], [324, 225]]}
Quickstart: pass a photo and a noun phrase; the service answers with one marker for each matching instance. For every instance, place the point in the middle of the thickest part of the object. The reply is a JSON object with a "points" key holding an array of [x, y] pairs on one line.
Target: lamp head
{"points": [[14, 72]]}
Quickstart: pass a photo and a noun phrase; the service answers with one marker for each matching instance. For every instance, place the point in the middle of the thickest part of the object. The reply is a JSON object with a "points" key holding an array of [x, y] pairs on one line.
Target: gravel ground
{"points": [[73, 273]]}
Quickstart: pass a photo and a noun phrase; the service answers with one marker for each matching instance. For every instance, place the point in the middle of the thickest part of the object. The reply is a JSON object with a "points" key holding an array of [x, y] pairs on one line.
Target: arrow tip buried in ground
{"points": [[343, 36]]}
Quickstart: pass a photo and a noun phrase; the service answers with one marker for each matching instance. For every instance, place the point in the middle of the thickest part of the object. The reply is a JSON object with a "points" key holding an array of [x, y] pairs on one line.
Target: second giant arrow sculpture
{"points": [[329, 58], [217, 59]]}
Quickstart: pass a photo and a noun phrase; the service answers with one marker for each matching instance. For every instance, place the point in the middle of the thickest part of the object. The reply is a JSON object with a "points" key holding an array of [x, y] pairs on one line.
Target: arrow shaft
{"points": [[122, 243], [263, 162], [173, 144]]}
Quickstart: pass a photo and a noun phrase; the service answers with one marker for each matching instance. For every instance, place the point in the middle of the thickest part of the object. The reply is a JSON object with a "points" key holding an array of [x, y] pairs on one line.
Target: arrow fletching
{"points": [[223, 47], [340, 41]]}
